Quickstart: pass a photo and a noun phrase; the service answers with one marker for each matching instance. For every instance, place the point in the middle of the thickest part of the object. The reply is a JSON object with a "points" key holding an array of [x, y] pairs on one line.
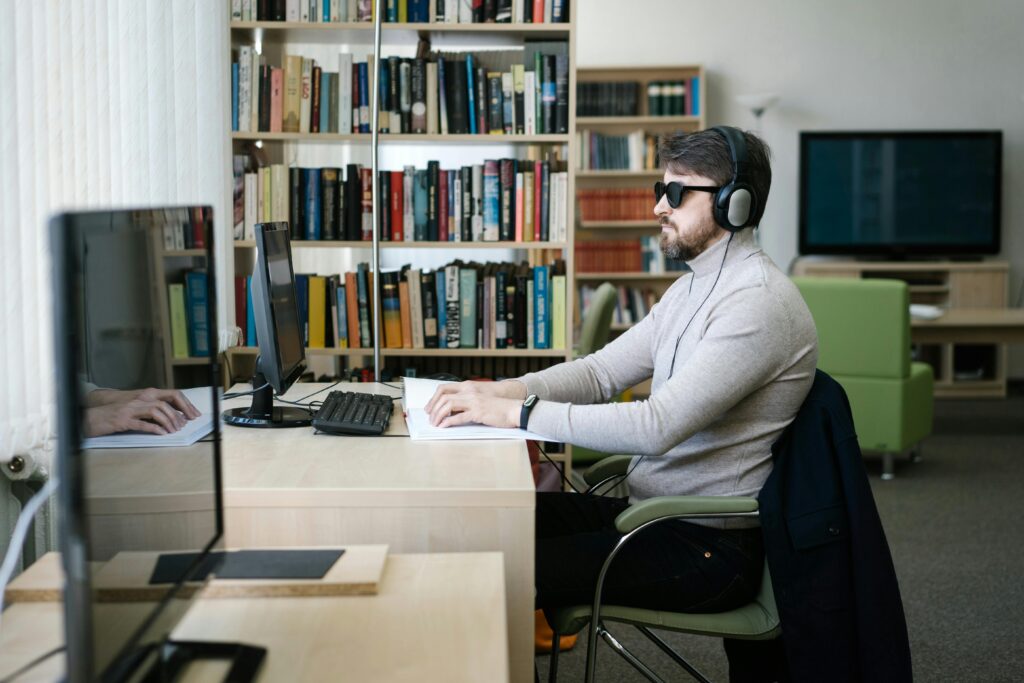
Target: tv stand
{"points": [[961, 370], [263, 412]]}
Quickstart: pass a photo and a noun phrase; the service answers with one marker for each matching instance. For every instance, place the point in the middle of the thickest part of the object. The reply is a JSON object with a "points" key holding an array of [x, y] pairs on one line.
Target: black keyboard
{"points": [[353, 412]]}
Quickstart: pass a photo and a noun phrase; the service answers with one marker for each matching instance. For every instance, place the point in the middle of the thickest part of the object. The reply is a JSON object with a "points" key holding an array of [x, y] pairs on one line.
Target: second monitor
{"points": [[278, 334]]}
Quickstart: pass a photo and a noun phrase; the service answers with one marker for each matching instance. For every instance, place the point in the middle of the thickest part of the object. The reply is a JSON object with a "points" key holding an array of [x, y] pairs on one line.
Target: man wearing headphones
{"points": [[731, 350]]}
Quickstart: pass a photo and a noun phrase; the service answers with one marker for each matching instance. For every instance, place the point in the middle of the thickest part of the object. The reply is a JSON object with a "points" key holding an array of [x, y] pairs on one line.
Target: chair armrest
{"points": [[605, 468], [682, 506]]}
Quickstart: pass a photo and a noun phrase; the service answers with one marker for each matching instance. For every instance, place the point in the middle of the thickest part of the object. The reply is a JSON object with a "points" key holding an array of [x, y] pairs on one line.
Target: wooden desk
{"points": [[437, 618], [971, 326], [290, 487]]}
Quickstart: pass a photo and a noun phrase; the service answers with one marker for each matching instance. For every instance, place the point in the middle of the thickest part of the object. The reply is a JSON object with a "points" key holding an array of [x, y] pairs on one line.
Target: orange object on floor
{"points": [[543, 635]]}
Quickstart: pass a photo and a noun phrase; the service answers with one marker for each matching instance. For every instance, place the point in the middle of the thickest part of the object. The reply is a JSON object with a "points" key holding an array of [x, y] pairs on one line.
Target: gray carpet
{"points": [[956, 531]]}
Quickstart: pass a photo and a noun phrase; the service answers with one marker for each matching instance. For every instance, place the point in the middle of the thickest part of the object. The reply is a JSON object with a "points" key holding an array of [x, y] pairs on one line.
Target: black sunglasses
{"points": [[676, 191]]}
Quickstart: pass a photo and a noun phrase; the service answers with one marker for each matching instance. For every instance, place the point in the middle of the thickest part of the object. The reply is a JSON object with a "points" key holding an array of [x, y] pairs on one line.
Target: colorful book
{"points": [[196, 305], [179, 320]]}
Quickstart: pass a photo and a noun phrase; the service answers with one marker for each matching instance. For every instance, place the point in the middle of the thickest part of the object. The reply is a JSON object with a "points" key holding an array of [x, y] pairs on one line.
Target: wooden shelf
{"points": [[638, 121], [560, 139], [362, 32], [645, 224], [169, 253], [443, 353], [340, 244], [591, 277]]}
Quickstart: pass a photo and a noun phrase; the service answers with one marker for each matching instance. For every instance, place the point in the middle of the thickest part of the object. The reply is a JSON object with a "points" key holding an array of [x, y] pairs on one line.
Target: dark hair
{"points": [[706, 153]]}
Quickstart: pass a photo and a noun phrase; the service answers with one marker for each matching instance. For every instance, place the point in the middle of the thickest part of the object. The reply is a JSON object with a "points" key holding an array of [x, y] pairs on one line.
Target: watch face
{"points": [[530, 400]]}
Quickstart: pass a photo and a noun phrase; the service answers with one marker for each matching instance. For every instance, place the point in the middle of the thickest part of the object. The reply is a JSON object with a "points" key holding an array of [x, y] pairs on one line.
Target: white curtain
{"points": [[104, 104]]}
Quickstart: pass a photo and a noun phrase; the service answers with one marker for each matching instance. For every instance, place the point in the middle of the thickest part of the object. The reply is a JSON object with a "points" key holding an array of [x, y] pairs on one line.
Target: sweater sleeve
{"points": [[743, 347], [619, 365]]}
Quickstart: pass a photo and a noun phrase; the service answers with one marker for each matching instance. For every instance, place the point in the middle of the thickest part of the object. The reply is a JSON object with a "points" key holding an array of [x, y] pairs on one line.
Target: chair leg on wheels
{"points": [[888, 467], [556, 646]]}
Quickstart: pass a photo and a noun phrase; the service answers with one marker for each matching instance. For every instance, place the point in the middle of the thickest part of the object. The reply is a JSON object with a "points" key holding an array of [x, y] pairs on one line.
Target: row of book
{"points": [[500, 93], [413, 11], [636, 151], [461, 305], [642, 255], [616, 204], [188, 302], [622, 98], [632, 304], [183, 228], [500, 200]]}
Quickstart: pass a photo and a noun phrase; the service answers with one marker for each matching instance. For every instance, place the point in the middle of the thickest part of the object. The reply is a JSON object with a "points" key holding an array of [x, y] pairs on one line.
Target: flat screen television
{"points": [[900, 193]]}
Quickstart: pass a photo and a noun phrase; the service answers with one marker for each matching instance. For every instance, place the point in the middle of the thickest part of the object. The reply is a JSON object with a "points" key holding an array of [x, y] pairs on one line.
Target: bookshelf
{"points": [[606, 110]]}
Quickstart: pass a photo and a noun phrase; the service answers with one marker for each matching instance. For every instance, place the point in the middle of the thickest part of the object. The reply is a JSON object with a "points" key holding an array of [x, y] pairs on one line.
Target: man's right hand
{"points": [[139, 415], [509, 388]]}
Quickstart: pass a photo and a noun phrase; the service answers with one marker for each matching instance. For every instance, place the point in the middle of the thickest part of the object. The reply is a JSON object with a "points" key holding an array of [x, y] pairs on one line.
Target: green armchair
{"points": [[864, 343]]}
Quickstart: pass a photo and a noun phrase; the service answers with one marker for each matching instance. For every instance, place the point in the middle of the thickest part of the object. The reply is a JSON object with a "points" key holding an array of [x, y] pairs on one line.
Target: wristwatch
{"points": [[524, 414]]}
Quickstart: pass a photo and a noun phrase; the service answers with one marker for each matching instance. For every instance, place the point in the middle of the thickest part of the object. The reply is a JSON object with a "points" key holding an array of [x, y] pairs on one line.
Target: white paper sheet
{"points": [[415, 395], [186, 436]]}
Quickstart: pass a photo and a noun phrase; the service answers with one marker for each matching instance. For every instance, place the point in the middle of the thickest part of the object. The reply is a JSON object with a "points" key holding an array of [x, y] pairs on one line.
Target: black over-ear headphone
{"points": [[736, 205]]}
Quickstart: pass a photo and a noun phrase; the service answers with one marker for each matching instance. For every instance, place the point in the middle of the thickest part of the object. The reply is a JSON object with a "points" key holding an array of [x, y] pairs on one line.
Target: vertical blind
{"points": [[106, 103]]}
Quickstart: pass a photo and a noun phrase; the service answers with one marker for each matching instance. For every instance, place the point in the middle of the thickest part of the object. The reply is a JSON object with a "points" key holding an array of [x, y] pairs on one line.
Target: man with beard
{"points": [[731, 350]]}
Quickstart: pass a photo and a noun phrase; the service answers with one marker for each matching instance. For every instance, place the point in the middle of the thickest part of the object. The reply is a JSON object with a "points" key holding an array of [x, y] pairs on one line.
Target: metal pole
{"points": [[375, 184]]}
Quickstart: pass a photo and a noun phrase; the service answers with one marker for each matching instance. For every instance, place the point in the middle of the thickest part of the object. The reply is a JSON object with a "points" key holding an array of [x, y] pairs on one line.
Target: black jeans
{"points": [[671, 566]]}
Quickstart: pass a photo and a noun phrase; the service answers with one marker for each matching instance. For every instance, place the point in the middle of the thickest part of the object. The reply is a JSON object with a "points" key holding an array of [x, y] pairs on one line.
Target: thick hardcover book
{"points": [[325, 102], [408, 203], [405, 94], [179, 320], [559, 11], [558, 305], [478, 203], [453, 326], [383, 97], [518, 96], [344, 99], [471, 95], [442, 302], [250, 315], [478, 11], [396, 207], [481, 101], [314, 98], [353, 203], [234, 96], [495, 104], [433, 180], [507, 186], [403, 304], [500, 311], [548, 94], [364, 98], [442, 99], [352, 310], [442, 206], [391, 310], [529, 214], [244, 88], [313, 198], [541, 308], [428, 296], [264, 98], [492, 201], [305, 93], [363, 298], [454, 201], [518, 212], [481, 313], [302, 305], [418, 11], [508, 113], [329, 203], [433, 127], [366, 205], [545, 201], [341, 305], [466, 173], [415, 308], [467, 310], [561, 94], [384, 204], [419, 96], [394, 95], [457, 106], [420, 202], [523, 276], [503, 12], [317, 306]]}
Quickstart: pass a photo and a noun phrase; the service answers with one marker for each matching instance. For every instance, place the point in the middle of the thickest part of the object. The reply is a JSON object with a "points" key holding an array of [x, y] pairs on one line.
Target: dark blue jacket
{"points": [[835, 585]]}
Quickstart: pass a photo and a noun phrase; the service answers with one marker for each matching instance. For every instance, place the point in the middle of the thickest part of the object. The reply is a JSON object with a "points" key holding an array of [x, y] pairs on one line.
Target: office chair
{"points": [[597, 322], [864, 344], [757, 620]]}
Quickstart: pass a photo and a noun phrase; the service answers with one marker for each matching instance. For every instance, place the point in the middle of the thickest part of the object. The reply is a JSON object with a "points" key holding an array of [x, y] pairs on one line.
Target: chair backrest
{"points": [[597, 323], [863, 325]]}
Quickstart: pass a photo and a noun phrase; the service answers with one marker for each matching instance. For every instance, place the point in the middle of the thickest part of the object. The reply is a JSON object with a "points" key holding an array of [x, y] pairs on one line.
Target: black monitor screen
{"points": [[282, 299], [910, 192], [138, 454]]}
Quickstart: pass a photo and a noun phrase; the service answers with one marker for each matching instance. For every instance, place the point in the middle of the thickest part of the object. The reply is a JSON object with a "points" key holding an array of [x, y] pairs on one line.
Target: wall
{"points": [[871, 64]]}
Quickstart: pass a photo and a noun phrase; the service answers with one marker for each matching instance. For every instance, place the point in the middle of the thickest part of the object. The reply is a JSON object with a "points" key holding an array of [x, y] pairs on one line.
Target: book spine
{"points": [[508, 117], [545, 201], [317, 307], [363, 298], [313, 203], [329, 200], [452, 311], [442, 206], [420, 202], [519, 97], [391, 311], [477, 226], [541, 316], [341, 305], [442, 97], [364, 98], [384, 205], [467, 312], [196, 311], [428, 294], [314, 101], [366, 205], [179, 320], [561, 94], [501, 312], [506, 186], [344, 93], [418, 87], [467, 204], [433, 180], [306, 93], [244, 88], [495, 105], [471, 95], [416, 308], [408, 203], [433, 124], [397, 208], [234, 95]]}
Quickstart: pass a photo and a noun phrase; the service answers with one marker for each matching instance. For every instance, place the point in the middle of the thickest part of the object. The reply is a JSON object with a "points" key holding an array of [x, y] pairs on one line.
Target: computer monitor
{"points": [[278, 334], [129, 497]]}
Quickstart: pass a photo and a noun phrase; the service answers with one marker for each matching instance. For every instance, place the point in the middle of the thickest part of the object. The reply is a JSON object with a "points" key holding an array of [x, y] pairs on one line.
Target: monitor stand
{"points": [[175, 656], [263, 412]]}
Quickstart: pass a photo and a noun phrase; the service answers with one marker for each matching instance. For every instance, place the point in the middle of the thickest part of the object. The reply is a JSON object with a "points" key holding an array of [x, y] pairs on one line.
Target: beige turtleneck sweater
{"points": [[730, 362]]}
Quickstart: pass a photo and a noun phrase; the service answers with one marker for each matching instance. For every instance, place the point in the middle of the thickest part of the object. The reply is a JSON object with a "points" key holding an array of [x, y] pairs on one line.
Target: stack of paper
{"points": [[415, 396], [193, 430]]}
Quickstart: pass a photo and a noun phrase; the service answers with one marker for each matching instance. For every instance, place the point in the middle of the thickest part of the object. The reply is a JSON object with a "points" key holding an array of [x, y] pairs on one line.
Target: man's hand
{"points": [[509, 388], [152, 416], [459, 408], [172, 397]]}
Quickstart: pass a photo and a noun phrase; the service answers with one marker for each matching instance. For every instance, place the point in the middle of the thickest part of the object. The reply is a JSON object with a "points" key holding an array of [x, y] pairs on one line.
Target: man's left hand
{"points": [[455, 409]]}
